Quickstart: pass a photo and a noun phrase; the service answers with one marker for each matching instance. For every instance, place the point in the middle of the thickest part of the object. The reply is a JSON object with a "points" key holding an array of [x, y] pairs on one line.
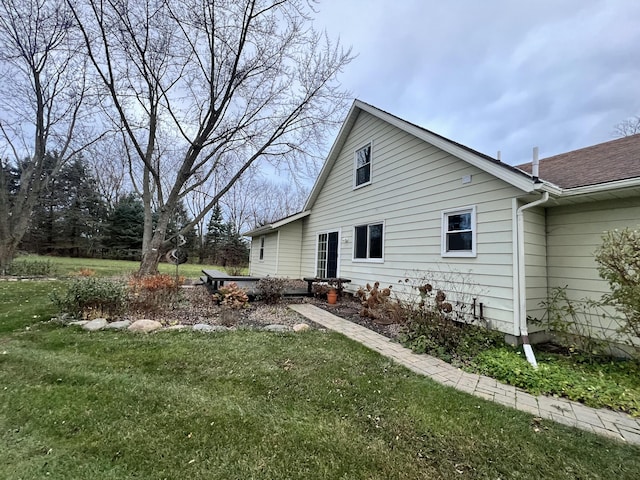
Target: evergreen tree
{"points": [[125, 228], [217, 233]]}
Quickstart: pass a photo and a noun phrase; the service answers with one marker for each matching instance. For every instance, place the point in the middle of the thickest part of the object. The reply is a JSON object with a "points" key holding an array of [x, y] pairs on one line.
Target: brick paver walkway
{"points": [[604, 422]]}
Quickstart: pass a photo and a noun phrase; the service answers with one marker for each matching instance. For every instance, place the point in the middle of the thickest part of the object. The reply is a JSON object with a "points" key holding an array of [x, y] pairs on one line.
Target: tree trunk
{"points": [[152, 250], [7, 252]]}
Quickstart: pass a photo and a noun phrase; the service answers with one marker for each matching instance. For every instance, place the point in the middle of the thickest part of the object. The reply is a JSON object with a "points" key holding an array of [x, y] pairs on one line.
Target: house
{"points": [[396, 201]]}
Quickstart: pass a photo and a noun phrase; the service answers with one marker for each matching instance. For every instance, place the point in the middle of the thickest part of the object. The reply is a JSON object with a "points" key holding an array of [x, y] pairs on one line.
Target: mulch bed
{"points": [[197, 305]]}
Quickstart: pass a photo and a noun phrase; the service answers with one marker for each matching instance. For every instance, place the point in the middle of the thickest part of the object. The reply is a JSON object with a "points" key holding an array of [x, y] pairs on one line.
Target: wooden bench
{"points": [[337, 282], [216, 278]]}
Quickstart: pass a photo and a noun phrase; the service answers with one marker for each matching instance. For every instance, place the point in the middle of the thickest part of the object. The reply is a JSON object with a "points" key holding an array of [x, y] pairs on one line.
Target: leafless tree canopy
{"points": [[630, 126], [202, 88], [43, 101]]}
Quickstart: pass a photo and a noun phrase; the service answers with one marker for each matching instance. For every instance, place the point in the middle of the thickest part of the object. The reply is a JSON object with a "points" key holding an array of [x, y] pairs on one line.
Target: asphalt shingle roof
{"points": [[606, 162]]}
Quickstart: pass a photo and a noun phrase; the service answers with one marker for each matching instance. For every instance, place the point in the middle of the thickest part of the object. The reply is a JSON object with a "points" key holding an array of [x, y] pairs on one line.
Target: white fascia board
{"points": [[292, 218], [602, 187], [274, 226], [333, 153]]}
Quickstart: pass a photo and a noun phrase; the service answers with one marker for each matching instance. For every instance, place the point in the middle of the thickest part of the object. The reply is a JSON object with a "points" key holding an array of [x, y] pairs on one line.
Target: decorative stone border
{"points": [[148, 326]]}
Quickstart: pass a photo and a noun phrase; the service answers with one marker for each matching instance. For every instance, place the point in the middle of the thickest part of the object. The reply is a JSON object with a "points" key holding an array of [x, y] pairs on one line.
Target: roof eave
{"points": [[600, 187], [276, 225]]}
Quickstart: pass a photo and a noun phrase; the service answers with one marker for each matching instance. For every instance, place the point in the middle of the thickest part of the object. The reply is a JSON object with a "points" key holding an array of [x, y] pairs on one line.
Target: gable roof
{"points": [[606, 162], [509, 174]]}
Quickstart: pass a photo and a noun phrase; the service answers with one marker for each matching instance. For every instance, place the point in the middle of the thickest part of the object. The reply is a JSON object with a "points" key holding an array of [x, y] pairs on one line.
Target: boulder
{"points": [[205, 328], [144, 326], [78, 323], [121, 325], [96, 324], [276, 327], [301, 327]]}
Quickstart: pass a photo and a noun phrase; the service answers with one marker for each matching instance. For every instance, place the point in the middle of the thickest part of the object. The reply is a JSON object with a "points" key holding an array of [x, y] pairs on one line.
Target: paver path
{"points": [[601, 421]]}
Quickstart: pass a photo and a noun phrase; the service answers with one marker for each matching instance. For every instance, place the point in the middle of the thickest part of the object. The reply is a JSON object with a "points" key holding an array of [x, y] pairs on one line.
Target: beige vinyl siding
{"points": [[266, 266], [412, 183], [573, 234], [536, 262], [289, 249]]}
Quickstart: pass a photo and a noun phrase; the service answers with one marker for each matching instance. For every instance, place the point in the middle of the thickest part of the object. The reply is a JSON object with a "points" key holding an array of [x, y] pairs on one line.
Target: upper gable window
{"points": [[459, 232], [363, 166]]}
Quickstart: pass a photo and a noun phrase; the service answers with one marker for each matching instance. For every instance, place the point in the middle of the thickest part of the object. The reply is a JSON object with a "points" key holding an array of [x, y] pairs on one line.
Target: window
{"points": [[363, 166], [262, 248], [368, 242], [459, 233]]}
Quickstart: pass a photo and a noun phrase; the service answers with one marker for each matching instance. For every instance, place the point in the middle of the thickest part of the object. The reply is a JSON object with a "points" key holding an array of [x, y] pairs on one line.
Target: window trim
{"points": [[368, 259], [444, 231], [355, 165], [261, 249]]}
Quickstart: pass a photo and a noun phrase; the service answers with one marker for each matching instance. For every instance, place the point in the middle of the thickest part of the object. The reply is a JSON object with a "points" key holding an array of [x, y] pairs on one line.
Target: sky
{"points": [[495, 75]]}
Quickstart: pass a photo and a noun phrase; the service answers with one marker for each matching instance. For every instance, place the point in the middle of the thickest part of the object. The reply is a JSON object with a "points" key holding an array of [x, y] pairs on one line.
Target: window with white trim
{"points": [[368, 242], [459, 232], [262, 247], [362, 165]]}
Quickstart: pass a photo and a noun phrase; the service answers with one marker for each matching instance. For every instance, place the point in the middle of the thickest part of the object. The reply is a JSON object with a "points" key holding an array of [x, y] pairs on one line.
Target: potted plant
{"points": [[332, 296]]}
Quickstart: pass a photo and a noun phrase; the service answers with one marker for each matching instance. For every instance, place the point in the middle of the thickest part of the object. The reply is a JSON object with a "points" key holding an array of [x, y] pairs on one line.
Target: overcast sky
{"points": [[495, 74]]}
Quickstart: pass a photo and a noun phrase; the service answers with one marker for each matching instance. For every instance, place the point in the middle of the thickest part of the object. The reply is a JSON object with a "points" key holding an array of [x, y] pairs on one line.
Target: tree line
{"points": [[73, 219], [182, 100]]}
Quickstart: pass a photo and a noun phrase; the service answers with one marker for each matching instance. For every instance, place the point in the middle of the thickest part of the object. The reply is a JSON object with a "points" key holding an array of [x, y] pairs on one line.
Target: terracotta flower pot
{"points": [[332, 296]]}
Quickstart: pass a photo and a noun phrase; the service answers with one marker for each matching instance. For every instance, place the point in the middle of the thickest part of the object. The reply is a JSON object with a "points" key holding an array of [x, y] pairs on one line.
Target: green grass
{"points": [[66, 266], [248, 405]]}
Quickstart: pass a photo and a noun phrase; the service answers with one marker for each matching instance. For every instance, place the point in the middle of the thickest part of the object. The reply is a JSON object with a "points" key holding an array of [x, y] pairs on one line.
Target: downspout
{"points": [[522, 282]]}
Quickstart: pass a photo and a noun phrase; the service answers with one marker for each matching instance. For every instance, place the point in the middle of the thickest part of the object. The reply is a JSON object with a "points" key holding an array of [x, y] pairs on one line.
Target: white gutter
{"points": [[521, 316]]}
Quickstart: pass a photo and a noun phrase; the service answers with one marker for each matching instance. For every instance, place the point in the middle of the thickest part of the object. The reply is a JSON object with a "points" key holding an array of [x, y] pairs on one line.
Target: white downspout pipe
{"points": [[522, 280]]}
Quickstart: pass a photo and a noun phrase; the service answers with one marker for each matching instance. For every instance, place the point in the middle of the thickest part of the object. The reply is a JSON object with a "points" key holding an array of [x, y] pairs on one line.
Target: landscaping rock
{"points": [[95, 325], [145, 326], [204, 328], [121, 325], [276, 327], [78, 323], [301, 327]]}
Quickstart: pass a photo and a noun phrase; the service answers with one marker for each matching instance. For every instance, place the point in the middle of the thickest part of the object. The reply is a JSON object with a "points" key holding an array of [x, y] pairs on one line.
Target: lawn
{"points": [[65, 266], [249, 404]]}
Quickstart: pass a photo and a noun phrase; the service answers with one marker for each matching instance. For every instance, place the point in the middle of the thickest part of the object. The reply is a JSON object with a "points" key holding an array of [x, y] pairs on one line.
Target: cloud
{"points": [[496, 75]]}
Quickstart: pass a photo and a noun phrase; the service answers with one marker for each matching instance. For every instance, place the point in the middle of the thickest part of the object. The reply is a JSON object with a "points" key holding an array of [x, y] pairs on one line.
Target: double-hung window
{"points": [[262, 247], [369, 242], [362, 166], [459, 232]]}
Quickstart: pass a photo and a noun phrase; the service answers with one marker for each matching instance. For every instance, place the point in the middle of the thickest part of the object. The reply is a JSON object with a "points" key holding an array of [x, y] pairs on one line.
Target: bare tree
{"points": [[203, 88], [628, 127], [42, 98]]}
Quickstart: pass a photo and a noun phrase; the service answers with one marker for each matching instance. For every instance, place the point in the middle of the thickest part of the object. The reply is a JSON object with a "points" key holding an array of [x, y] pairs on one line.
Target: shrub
{"points": [[378, 306], [232, 296], [572, 322], [270, 289], [435, 326], [619, 264], [30, 268], [92, 298], [151, 293]]}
